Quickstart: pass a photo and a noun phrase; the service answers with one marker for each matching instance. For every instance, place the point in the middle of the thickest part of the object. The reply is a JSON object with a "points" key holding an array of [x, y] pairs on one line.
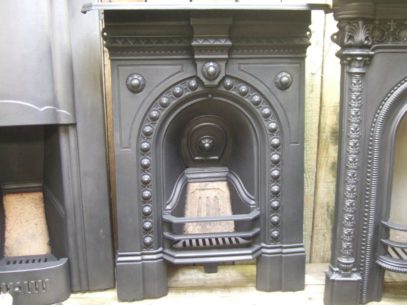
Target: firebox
{"points": [[208, 118]]}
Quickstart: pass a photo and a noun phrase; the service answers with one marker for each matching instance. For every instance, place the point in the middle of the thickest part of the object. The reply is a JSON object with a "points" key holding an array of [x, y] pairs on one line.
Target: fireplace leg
{"points": [[211, 268], [280, 272], [141, 280], [342, 289]]}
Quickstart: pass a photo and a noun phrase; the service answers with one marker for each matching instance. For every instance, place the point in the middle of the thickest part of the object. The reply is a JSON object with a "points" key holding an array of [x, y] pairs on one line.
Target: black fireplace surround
{"points": [[200, 95]]}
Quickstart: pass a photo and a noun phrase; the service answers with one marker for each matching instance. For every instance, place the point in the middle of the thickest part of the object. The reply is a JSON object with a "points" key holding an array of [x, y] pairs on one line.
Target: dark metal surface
{"points": [[36, 73]]}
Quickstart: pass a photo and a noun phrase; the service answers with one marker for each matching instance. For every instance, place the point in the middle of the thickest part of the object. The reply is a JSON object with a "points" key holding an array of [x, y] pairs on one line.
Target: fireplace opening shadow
{"points": [[392, 253], [31, 181], [211, 214]]}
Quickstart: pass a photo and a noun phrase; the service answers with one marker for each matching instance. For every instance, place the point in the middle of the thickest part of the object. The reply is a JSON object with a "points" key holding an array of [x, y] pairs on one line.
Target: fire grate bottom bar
{"points": [[216, 242]]}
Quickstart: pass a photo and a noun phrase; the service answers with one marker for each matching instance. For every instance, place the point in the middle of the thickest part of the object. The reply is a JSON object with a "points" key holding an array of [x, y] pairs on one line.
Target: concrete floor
{"points": [[235, 285]]}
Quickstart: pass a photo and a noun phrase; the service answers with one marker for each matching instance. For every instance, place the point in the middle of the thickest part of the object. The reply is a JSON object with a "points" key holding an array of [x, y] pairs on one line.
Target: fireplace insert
{"points": [[208, 106]]}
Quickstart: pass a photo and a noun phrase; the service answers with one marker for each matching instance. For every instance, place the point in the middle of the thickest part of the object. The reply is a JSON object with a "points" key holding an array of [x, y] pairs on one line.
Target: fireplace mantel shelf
{"points": [[202, 6]]}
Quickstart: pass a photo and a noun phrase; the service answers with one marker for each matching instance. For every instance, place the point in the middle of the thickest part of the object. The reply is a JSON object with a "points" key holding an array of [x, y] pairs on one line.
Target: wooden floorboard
{"points": [[234, 285]]}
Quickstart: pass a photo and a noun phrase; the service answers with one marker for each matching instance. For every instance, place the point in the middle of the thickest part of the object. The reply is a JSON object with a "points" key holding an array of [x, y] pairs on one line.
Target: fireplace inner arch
{"points": [[250, 123], [210, 179], [375, 243]]}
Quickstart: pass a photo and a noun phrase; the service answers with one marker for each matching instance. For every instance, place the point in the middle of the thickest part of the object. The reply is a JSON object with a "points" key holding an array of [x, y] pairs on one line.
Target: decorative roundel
{"points": [[146, 195], [211, 70], [178, 91], [275, 142], [147, 225], [147, 210], [228, 83], [275, 219], [275, 158], [148, 241], [135, 83], [145, 146], [266, 112], [243, 90], [275, 204], [275, 234], [146, 179], [256, 100], [145, 163], [172, 97], [164, 102], [283, 80], [275, 174], [272, 126], [275, 189], [148, 130], [193, 84], [154, 115]]}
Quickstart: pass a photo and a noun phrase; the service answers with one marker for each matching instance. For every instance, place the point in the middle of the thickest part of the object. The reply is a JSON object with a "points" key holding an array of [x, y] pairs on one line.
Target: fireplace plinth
{"points": [[205, 96]]}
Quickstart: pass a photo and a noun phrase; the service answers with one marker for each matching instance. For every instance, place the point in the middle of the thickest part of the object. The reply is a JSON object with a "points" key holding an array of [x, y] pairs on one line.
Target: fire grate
{"points": [[37, 279], [26, 260], [211, 242], [395, 259]]}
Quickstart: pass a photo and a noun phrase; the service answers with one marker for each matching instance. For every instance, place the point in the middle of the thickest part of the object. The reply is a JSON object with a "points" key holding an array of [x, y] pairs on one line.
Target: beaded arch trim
{"points": [[170, 98]]}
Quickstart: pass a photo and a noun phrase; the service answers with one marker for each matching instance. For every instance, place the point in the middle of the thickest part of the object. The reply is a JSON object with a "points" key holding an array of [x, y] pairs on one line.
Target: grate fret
{"points": [[211, 242]]}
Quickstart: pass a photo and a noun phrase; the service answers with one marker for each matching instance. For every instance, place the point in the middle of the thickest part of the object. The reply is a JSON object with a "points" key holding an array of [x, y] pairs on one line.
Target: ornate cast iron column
{"points": [[355, 39]]}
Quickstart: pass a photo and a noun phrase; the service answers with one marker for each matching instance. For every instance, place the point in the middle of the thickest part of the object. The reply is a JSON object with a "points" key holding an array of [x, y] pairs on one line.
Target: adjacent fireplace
{"points": [[369, 233], [52, 143], [208, 119]]}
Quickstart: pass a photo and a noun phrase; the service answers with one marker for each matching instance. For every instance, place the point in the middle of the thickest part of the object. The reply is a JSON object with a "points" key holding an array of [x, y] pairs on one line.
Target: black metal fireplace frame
{"points": [[232, 62]]}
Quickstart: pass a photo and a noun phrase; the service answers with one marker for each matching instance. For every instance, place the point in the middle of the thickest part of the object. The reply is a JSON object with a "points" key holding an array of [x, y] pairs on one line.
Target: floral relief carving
{"points": [[351, 191], [390, 31], [354, 33]]}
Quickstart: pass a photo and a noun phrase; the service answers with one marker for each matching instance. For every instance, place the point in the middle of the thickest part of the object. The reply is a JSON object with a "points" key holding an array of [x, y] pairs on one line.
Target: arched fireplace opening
{"points": [[210, 150]]}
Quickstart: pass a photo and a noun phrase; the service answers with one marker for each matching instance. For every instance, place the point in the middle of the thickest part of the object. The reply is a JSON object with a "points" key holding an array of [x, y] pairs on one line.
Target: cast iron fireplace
{"points": [[52, 143], [208, 118], [372, 36]]}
